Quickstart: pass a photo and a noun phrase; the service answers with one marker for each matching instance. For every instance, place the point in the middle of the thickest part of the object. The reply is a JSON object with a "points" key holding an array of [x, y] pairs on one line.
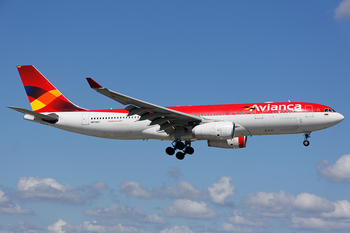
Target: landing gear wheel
{"points": [[307, 135], [179, 145], [189, 150], [180, 155], [170, 151]]}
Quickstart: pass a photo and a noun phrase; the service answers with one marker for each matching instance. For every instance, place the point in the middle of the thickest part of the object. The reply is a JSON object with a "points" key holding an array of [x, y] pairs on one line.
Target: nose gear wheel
{"points": [[307, 135]]}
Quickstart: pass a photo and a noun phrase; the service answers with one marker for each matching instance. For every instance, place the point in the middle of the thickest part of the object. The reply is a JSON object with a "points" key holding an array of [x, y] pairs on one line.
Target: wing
{"points": [[168, 119]]}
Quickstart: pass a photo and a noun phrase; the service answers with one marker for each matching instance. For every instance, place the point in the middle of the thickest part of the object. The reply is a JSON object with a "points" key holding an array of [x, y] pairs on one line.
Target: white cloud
{"points": [[342, 210], [228, 227], [14, 209], [135, 214], [57, 227], [338, 172], [21, 228], [6, 207], [217, 192], [311, 203], [98, 227], [343, 10], [134, 189], [221, 190], [3, 197], [182, 190], [92, 191], [238, 218], [270, 204], [185, 189], [304, 211], [177, 229], [190, 209], [280, 204], [47, 189], [318, 224]]}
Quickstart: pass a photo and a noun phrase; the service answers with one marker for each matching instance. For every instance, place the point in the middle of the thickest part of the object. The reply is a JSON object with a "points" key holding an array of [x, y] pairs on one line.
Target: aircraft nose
{"points": [[339, 118]]}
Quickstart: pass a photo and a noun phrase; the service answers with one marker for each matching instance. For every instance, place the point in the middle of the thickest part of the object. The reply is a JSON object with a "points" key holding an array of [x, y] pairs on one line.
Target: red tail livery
{"points": [[42, 95]]}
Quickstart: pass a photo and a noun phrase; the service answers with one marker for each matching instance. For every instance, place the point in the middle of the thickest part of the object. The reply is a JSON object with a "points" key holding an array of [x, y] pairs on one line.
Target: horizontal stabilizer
{"points": [[52, 118]]}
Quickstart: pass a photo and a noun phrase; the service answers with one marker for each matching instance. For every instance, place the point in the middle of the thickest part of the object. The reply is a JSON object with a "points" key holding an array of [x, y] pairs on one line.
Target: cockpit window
{"points": [[328, 110]]}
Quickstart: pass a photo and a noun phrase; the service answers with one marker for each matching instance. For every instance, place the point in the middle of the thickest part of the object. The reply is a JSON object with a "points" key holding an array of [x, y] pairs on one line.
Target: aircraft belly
{"points": [[127, 130]]}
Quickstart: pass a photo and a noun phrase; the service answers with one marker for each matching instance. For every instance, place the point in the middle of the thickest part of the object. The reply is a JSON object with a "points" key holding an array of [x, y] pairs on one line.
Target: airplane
{"points": [[222, 126]]}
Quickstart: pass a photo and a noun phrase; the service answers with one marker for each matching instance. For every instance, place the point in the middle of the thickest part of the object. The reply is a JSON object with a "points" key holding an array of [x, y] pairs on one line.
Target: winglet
{"points": [[93, 84]]}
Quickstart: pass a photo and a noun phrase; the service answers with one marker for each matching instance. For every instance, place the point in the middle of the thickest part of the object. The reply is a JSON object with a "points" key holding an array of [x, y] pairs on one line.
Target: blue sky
{"points": [[175, 53]]}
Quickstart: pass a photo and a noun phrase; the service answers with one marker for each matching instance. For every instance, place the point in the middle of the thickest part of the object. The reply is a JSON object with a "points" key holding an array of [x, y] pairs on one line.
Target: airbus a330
{"points": [[222, 126]]}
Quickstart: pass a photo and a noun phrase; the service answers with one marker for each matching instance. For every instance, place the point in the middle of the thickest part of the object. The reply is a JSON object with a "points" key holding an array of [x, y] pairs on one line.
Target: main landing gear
{"points": [[178, 145], [307, 135]]}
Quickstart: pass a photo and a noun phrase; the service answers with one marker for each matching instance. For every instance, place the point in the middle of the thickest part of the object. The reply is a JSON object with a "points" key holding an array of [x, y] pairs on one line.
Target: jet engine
{"points": [[237, 142], [214, 131]]}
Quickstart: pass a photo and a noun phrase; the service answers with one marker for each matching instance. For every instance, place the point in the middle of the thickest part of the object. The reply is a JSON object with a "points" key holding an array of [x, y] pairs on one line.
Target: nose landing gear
{"points": [[178, 145], [307, 135]]}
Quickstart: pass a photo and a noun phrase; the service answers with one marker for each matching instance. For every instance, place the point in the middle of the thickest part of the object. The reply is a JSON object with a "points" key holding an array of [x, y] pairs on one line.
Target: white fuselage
{"points": [[121, 126]]}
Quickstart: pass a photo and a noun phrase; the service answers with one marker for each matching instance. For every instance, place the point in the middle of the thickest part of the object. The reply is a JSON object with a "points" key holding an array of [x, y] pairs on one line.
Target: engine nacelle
{"points": [[214, 131], [237, 142]]}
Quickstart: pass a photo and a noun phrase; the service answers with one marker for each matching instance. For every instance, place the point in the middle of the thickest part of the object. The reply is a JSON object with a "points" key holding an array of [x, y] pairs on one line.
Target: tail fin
{"points": [[42, 95]]}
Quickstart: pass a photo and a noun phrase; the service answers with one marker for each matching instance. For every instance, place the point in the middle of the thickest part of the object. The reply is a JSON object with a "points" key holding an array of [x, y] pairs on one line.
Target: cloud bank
{"points": [[343, 10], [217, 193]]}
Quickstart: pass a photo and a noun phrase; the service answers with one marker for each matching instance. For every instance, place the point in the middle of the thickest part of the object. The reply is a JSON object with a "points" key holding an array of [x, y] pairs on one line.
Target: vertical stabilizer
{"points": [[42, 95]]}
